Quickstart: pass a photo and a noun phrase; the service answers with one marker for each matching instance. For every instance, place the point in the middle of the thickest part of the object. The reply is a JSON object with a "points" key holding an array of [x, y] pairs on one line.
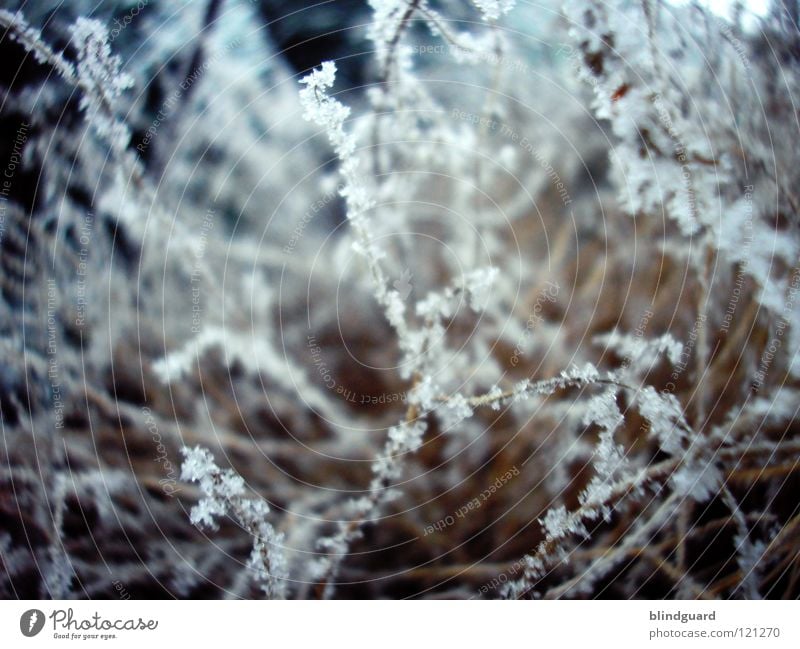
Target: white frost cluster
{"points": [[695, 477], [494, 9], [603, 411], [665, 415], [99, 72], [453, 411], [556, 523], [224, 492], [181, 362], [386, 18], [478, 285], [697, 480], [609, 457], [642, 352], [402, 439]]}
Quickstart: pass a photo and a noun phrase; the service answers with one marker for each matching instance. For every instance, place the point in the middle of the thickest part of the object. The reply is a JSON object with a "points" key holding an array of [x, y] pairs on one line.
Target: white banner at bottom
{"points": [[385, 624]]}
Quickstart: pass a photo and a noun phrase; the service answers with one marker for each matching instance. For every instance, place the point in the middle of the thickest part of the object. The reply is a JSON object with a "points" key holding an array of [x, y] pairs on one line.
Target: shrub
{"points": [[537, 336]]}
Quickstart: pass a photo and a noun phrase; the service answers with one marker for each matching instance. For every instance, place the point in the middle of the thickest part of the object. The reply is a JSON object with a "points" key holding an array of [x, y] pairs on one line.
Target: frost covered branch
{"points": [[97, 72], [224, 492]]}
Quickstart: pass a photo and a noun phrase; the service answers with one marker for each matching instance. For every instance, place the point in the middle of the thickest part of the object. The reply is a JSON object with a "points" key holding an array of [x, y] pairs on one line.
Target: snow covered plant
{"points": [[475, 301], [677, 156], [667, 164], [96, 72], [224, 491]]}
